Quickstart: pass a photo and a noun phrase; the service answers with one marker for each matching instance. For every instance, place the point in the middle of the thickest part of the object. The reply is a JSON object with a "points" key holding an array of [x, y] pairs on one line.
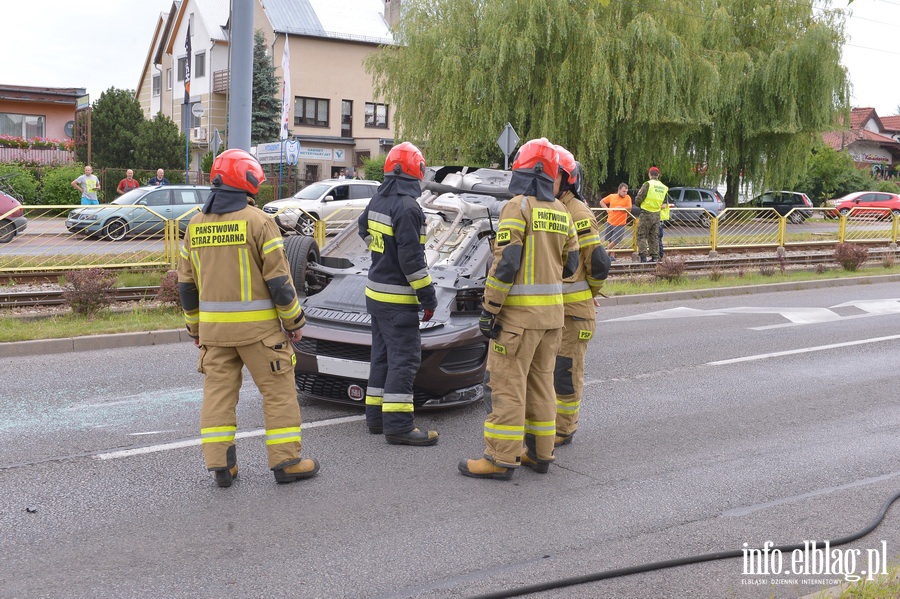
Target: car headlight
{"points": [[88, 217]]}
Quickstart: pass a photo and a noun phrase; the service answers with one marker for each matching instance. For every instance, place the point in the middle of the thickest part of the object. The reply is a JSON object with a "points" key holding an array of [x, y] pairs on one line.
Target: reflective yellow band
{"points": [[183, 253], [567, 407], [495, 283], [589, 241], [277, 436], [292, 311], [540, 428], [251, 316], [271, 246], [391, 298], [578, 296], [511, 223], [422, 239], [192, 317], [534, 300], [392, 406], [217, 434], [377, 227], [504, 431], [218, 233], [373, 400], [423, 282]]}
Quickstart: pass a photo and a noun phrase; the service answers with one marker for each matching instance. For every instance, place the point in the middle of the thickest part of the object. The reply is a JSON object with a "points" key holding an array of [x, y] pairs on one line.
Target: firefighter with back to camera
{"points": [[393, 225], [579, 291], [523, 315], [241, 308]]}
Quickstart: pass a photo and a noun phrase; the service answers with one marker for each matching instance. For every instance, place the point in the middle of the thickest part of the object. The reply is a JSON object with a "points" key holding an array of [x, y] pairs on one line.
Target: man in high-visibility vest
{"points": [[241, 308], [393, 224], [579, 291], [650, 198], [523, 315]]}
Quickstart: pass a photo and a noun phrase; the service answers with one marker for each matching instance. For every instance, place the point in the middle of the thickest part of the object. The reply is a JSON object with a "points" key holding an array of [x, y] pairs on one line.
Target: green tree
{"points": [[115, 118], [21, 180], [265, 106], [159, 145], [831, 174]]}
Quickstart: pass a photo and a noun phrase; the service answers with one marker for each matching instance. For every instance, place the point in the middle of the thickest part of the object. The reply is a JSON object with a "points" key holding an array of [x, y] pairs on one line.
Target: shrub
{"points": [[888, 260], [821, 268], [88, 291], [850, 255], [670, 268], [782, 263], [767, 270], [56, 185], [716, 273], [22, 181], [168, 289]]}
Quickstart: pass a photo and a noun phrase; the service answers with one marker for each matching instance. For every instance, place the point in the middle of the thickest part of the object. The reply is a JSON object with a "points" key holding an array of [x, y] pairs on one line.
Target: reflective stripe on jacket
{"points": [[593, 264]]}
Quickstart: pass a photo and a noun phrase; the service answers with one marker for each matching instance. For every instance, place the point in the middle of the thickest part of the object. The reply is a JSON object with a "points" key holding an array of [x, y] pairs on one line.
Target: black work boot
{"points": [[305, 468], [563, 440], [376, 430], [225, 476], [529, 456], [416, 437], [642, 258]]}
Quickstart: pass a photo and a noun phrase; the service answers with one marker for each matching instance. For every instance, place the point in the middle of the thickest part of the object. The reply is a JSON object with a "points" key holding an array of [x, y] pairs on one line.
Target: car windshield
{"points": [[130, 198], [311, 192]]}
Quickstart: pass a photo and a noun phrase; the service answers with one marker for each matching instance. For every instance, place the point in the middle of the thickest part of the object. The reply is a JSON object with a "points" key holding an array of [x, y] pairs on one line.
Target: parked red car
{"points": [[871, 204], [12, 219]]}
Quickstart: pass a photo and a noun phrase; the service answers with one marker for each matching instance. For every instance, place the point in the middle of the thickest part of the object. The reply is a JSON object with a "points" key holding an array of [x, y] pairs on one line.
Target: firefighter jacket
{"points": [[593, 264], [652, 195], [536, 246], [393, 224], [233, 277]]}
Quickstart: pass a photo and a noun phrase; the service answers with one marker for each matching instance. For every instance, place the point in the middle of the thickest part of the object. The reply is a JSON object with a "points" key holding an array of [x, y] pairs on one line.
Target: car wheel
{"points": [[115, 230], [7, 231], [796, 218], [704, 220], [300, 251], [844, 211], [895, 212], [306, 225]]}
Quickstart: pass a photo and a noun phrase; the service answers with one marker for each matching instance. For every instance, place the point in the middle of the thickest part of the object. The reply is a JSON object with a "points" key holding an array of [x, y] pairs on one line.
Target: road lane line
{"points": [[125, 453], [803, 350]]}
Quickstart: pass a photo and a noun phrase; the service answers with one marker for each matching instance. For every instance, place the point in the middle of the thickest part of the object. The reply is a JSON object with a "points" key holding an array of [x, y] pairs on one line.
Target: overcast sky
{"points": [[97, 44]]}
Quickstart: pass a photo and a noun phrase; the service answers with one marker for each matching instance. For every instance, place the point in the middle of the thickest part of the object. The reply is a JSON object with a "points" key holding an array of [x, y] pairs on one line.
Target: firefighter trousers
{"points": [[568, 377], [271, 364], [396, 355], [648, 234], [523, 403]]}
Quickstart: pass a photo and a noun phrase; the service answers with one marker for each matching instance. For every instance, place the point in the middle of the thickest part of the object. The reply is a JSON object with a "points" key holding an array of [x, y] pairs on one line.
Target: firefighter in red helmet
{"points": [[393, 225], [578, 298], [522, 317], [241, 308]]}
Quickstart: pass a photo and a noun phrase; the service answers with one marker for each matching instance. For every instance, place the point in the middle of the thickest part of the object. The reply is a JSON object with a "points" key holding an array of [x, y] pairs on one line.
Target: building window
{"points": [[199, 66], [28, 126], [346, 118], [376, 115], [168, 78], [311, 112], [157, 83], [182, 68]]}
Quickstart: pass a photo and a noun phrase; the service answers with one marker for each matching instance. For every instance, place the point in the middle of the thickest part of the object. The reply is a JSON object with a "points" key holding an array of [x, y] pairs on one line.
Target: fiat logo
{"points": [[355, 392]]}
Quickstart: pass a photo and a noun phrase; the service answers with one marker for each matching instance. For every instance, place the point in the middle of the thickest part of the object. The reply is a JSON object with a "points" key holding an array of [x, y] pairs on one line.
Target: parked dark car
{"points": [[695, 204], [12, 218], [785, 203], [461, 211], [141, 211]]}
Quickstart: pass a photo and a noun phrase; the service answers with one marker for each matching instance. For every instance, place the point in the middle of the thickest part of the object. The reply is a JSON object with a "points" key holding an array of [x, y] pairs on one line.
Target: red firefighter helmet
{"points": [[538, 156], [237, 169], [568, 163], [405, 159]]}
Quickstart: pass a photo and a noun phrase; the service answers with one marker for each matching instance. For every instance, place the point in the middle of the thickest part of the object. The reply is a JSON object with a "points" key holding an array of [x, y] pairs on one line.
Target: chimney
{"points": [[392, 12]]}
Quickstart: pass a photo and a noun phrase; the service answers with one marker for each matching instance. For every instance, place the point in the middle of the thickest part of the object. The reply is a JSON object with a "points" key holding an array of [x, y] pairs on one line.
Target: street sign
{"points": [[216, 142], [197, 109], [508, 141]]}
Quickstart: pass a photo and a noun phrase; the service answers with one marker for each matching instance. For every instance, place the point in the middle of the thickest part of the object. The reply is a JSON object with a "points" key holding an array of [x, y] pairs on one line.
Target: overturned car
{"points": [[461, 208]]}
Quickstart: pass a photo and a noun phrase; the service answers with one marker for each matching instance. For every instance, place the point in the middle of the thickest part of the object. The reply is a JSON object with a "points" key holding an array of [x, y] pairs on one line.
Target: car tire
{"points": [[300, 251], [796, 218], [7, 231], [115, 230], [895, 212], [306, 224], [704, 220], [844, 211]]}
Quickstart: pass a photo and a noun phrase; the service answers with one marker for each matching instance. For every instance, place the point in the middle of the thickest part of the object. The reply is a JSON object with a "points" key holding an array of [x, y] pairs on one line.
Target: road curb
{"points": [[71, 344]]}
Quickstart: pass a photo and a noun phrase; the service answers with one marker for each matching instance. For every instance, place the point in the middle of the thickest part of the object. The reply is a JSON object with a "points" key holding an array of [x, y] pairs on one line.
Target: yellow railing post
{"points": [[319, 234], [894, 227], [171, 236], [713, 233], [782, 230], [842, 229]]}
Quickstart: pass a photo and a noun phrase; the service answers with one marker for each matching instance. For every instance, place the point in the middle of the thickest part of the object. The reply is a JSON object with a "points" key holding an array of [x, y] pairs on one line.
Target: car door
{"points": [[152, 219], [185, 204], [337, 206]]}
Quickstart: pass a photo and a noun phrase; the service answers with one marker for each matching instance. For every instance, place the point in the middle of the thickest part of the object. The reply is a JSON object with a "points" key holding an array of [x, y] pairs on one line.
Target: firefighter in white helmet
{"points": [[241, 308], [523, 315]]}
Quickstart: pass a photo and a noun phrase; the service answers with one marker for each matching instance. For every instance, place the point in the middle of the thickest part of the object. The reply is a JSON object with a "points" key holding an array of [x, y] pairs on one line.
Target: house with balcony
{"points": [[37, 124], [334, 113]]}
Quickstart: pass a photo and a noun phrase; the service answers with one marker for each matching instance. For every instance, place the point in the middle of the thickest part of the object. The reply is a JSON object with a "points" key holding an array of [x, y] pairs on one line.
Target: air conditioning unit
{"points": [[198, 134]]}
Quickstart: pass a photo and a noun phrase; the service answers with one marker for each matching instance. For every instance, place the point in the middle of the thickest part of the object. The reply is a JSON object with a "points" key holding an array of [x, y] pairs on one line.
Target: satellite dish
{"points": [[70, 128]]}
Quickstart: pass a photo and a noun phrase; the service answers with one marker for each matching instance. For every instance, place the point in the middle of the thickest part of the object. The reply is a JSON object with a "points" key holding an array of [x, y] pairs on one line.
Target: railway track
{"points": [[55, 297]]}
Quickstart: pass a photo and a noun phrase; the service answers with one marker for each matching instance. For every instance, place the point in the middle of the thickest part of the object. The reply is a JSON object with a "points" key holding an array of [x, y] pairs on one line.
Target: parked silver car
{"points": [[337, 201], [696, 204]]}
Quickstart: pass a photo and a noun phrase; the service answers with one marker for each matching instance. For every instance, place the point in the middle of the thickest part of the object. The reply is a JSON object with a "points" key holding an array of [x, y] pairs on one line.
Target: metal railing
{"points": [[141, 236]]}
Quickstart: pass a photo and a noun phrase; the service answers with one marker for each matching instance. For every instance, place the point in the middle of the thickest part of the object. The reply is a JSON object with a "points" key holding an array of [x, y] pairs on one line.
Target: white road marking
{"points": [[803, 350], [193, 442], [150, 433]]}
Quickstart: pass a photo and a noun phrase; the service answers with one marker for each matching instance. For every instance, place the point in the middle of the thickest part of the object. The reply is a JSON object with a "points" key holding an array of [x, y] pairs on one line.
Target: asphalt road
{"points": [[694, 438]]}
